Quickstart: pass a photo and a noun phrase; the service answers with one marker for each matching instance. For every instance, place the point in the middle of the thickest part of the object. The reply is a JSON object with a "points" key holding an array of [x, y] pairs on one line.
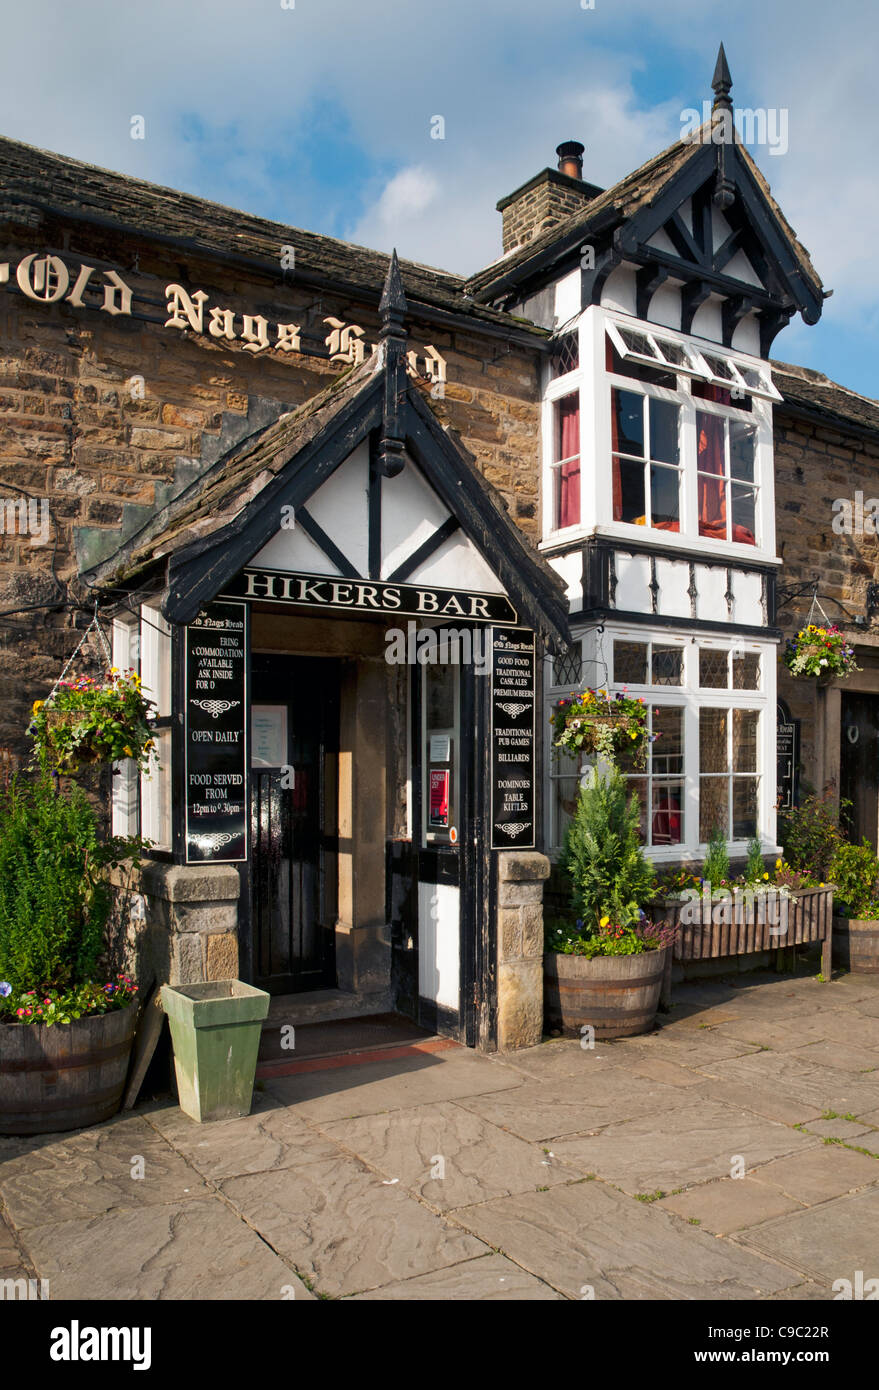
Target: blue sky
{"points": [[319, 115]]}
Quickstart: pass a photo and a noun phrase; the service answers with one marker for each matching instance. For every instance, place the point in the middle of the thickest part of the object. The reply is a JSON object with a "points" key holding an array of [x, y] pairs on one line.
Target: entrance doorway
{"points": [[859, 766], [294, 821]]}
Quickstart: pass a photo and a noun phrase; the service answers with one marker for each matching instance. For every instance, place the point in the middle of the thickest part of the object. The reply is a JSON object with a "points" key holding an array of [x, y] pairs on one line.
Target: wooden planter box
{"points": [[856, 944], [616, 995], [63, 1076], [711, 930]]}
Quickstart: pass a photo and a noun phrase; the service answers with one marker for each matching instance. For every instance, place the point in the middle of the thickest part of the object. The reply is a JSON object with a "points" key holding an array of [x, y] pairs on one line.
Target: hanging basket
{"points": [[597, 724], [821, 654]]}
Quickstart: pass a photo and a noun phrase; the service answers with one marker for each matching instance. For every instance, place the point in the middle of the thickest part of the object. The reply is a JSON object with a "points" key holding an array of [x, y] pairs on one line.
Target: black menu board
{"points": [[787, 752], [513, 765], [215, 735]]}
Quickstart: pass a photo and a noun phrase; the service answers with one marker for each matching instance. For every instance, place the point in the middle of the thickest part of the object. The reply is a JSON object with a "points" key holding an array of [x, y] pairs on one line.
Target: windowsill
{"points": [[700, 547]]}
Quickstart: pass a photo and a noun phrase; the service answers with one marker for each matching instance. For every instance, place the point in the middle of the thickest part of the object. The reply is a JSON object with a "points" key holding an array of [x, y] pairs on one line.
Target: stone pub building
{"points": [[358, 522]]}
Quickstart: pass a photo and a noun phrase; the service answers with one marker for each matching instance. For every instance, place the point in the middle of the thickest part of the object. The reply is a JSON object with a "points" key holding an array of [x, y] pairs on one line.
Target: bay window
{"points": [[566, 461], [710, 713]]}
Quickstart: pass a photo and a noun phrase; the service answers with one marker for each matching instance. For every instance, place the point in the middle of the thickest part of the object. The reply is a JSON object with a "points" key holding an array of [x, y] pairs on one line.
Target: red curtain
{"points": [[712, 494], [666, 816], [615, 444], [568, 447]]}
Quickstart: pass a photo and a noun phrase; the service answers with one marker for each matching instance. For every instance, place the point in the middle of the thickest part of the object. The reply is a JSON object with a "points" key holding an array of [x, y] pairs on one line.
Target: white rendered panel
{"points": [[711, 594], [295, 551], [457, 564], [340, 507], [567, 298], [673, 578], [570, 567], [619, 290], [411, 512], [633, 583], [747, 591], [439, 927]]}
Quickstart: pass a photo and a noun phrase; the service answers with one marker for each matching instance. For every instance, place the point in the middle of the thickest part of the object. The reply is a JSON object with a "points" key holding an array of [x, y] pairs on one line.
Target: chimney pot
{"points": [[570, 154]]}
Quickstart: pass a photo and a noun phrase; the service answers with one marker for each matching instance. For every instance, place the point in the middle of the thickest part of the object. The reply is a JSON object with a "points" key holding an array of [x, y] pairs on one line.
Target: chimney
{"points": [[547, 199]]}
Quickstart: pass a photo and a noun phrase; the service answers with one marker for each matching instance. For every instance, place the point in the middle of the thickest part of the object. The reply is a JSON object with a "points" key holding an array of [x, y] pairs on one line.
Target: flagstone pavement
{"points": [[732, 1153]]}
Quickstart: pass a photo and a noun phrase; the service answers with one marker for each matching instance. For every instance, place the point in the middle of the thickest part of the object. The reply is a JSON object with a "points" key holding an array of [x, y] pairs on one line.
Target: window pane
{"points": [[713, 806], [638, 785], [719, 367], [565, 355], [723, 395], [628, 492], [668, 665], [628, 423], [744, 808], [746, 671], [664, 419], [667, 751], [713, 669], [712, 489], [713, 749], [665, 497], [567, 666], [745, 740], [567, 428], [630, 663], [672, 352], [742, 439], [567, 493], [629, 366], [667, 820], [744, 511], [636, 341]]}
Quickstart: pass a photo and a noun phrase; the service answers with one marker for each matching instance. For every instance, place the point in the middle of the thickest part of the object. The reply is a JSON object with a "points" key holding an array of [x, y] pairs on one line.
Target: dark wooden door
{"points": [[294, 831], [859, 766]]}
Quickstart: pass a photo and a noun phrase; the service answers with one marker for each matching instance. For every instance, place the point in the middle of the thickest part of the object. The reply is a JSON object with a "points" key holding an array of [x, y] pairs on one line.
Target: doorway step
{"points": [[340, 1041]]}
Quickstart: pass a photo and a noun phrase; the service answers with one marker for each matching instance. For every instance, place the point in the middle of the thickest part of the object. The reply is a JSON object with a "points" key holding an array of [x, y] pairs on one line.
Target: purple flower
{"points": [[5, 989]]}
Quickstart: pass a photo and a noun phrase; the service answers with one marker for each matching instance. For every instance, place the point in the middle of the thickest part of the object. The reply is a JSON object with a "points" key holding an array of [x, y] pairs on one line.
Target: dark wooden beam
{"points": [[425, 550], [676, 229], [771, 325], [691, 297], [647, 281], [725, 252], [732, 313]]}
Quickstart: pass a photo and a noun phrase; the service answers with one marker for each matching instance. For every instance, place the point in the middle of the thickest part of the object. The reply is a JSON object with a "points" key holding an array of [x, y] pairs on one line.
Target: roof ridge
{"points": [[813, 374]]}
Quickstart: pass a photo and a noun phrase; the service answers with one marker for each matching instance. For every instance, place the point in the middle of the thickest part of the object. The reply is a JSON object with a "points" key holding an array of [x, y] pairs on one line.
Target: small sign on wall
{"points": [[439, 798]]}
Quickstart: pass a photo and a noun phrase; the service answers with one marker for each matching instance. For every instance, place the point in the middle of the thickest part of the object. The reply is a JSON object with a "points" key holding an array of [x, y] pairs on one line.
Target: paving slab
{"points": [[698, 1144], [264, 1141], [563, 1058], [370, 1087], [540, 1112], [762, 1031], [820, 1173], [773, 1104], [91, 1171], [8, 1246], [197, 1250], [843, 1129], [847, 1057], [345, 1227], [825, 1087], [871, 1118], [729, 1205], [585, 1235], [694, 1047], [852, 1028], [489, 1278], [815, 1293], [671, 1073], [828, 1242], [476, 1160]]}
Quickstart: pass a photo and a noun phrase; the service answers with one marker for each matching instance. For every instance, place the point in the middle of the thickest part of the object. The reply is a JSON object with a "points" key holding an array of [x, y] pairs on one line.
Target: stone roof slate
{"points": [[825, 400]]}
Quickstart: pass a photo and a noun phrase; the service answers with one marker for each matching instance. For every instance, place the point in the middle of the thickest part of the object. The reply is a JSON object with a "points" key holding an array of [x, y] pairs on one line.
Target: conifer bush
{"points": [[608, 870]]}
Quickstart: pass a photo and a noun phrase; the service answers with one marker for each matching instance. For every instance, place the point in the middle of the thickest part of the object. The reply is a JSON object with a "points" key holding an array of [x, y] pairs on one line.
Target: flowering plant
{"points": [[598, 722], [609, 938], [819, 651], [86, 721], [53, 1005]]}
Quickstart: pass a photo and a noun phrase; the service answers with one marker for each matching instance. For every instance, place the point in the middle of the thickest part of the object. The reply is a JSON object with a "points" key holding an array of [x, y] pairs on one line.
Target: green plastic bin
{"points": [[215, 1029]]}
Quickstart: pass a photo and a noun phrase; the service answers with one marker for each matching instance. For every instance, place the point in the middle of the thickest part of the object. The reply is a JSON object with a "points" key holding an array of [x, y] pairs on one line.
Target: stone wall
{"points": [[521, 874], [75, 431], [814, 466], [543, 203]]}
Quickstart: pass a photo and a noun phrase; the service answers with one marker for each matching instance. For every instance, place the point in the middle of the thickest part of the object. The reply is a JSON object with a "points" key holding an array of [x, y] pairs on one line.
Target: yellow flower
{"points": [[38, 704], [604, 921], [765, 875], [127, 751], [778, 863]]}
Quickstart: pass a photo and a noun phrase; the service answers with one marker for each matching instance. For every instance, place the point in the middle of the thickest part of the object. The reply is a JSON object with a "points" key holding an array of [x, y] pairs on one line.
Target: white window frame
{"points": [[156, 784], [598, 656], [593, 382], [124, 783]]}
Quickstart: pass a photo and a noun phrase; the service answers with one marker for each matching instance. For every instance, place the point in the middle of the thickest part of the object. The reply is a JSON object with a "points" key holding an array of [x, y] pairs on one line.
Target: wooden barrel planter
{"points": [[617, 995], [64, 1075], [856, 944]]}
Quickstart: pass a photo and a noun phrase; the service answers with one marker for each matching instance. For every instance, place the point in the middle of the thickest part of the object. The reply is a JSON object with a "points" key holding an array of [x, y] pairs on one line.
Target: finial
{"points": [[721, 82], [392, 305]]}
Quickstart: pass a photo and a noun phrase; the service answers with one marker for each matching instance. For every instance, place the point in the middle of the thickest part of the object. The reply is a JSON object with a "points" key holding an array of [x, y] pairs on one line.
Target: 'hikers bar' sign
{"points": [[369, 596]]}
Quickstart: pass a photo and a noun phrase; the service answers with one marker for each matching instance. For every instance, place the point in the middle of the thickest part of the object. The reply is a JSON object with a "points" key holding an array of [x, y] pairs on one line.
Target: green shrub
{"points": [[716, 866], [854, 870], [755, 867], [810, 835], [54, 895], [610, 875]]}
